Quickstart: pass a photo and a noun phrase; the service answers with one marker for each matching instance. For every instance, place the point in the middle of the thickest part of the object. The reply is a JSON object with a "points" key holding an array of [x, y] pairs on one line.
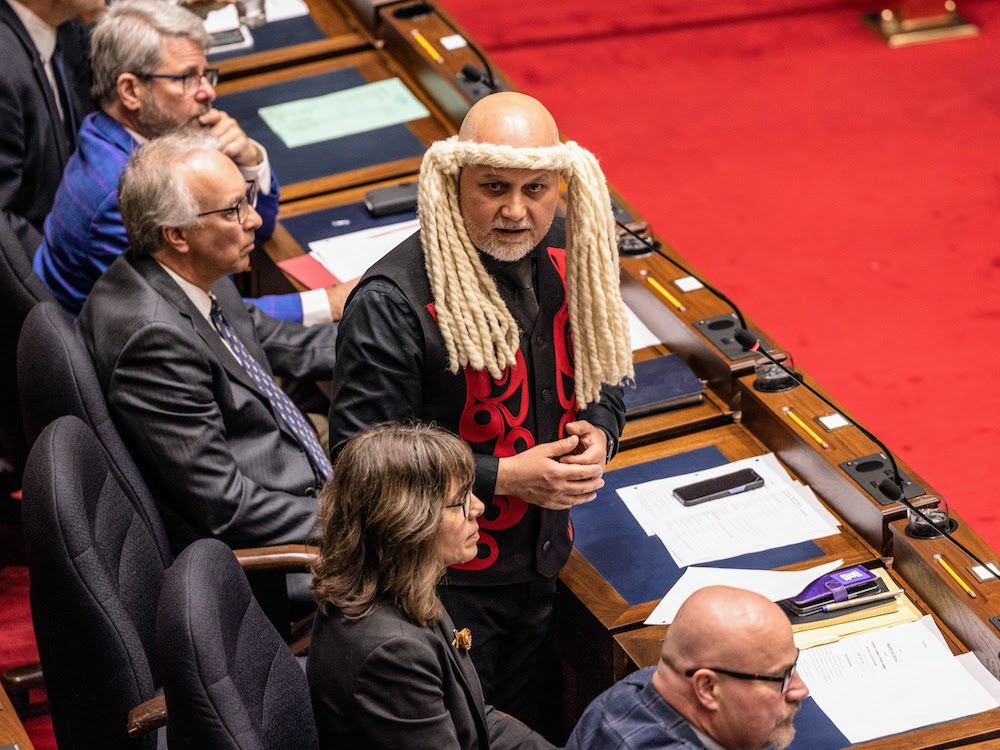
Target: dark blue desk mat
{"points": [[317, 225], [325, 158], [815, 731], [276, 35], [638, 566]]}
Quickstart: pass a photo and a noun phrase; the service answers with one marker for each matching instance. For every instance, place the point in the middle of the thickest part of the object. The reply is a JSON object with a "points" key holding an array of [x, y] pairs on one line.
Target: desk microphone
{"points": [[891, 488], [475, 75], [470, 74]]}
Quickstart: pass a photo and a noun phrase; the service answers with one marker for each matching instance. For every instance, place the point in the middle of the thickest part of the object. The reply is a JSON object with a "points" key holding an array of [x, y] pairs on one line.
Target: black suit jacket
{"points": [[34, 146], [217, 459], [385, 682]]}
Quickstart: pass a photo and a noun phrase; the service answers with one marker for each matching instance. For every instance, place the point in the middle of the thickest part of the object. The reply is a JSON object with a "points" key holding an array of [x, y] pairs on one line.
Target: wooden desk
{"points": [[635, 649], [372, 65], [343, 34], [11, 729], [590, 612], [968, 617], [397, 21], [820, 467]]}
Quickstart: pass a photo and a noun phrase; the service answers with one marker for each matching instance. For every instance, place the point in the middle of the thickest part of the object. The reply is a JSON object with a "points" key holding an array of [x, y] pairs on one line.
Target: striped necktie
{"points": [[283, 405]]}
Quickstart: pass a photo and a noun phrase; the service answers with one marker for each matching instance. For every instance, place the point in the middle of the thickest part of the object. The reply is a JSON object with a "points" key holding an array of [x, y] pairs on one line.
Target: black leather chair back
{"points": [[20, 291], [229, 679], [96, 575], [57, 378]]}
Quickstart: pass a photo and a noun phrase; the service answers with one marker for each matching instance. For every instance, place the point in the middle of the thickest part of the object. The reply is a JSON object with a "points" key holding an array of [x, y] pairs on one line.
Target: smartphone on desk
{"points": [[720, 486]]}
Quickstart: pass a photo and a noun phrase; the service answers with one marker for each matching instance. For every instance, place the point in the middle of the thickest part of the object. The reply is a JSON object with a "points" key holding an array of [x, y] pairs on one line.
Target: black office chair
{"points": [[96, 569], [230, 681], [58, 378], [20, 291]]}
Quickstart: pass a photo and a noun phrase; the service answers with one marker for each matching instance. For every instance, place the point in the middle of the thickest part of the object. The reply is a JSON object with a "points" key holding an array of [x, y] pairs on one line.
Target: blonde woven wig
{"points": [[479, 331]]}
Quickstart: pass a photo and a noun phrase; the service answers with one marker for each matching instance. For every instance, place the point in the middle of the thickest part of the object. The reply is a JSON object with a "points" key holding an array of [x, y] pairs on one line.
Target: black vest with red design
{"points": [[530, 404]]}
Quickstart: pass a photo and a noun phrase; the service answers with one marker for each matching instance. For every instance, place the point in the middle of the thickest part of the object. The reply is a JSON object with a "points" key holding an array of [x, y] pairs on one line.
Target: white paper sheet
{"points": [[639, 332], [780, 513], [904, 661], [349, 255], [774, 584]]}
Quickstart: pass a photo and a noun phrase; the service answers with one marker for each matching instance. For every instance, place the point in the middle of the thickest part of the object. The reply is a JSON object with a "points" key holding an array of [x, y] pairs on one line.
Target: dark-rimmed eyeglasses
{"points": [[465, 503], [785, 679], [189, 81], [242, 209]]}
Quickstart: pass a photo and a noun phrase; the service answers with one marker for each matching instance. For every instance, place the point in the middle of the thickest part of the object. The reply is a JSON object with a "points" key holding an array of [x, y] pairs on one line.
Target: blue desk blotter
{"points": [[276, 35], [325, 158], [329, 222], [638, 566]]}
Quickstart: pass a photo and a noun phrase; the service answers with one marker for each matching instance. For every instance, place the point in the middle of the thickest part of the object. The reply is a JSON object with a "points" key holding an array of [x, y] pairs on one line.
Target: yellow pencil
{"points": [[428, 47], [663, 290], [955, 575], [805, 428]]}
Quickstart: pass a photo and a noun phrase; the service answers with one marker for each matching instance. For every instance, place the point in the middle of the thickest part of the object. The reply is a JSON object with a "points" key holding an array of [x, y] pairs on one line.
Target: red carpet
{"points": [[845, 194]]}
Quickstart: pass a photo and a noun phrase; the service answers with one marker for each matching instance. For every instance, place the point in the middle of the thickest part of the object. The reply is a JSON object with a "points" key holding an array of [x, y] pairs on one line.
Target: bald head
{"points": [[510, 119], [723, 625]]}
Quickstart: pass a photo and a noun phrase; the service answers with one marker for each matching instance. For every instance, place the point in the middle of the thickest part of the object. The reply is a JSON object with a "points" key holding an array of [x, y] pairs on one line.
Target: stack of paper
{"points": [[349, 255], [909, 667], [780, 513]]}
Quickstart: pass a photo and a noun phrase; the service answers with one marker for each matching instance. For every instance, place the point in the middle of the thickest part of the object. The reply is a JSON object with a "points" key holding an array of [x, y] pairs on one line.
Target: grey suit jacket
{"points": [[385, 682], [218, 460]]}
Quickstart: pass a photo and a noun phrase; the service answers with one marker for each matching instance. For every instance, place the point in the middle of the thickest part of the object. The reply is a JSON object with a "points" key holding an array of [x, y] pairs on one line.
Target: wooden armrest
{"points": [[287, 557], [147, 717], [22, 679]]}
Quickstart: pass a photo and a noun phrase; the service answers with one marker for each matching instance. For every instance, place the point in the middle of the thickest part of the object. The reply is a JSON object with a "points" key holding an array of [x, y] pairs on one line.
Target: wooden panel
{"points": [[397, 23], [968, 617], [11, 729], [819, 467]]}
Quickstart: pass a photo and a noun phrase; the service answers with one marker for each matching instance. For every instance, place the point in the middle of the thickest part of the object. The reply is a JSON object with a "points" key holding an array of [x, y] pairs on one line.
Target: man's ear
{"points": [[176, 238], [127, 87], [705, 684]]}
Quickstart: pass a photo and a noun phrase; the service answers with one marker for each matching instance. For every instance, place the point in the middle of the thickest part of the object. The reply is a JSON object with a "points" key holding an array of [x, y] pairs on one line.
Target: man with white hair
{"points": [[505, 325], [726, 680]]}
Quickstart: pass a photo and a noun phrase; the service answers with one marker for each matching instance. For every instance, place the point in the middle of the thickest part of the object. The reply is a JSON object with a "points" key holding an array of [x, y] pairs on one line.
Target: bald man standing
{"points": [[479, 323], [726, 680]]}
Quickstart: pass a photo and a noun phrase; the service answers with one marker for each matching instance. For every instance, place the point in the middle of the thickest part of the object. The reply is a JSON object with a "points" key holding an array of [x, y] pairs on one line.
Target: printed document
{"points": [[903, 660], [780, 513]]}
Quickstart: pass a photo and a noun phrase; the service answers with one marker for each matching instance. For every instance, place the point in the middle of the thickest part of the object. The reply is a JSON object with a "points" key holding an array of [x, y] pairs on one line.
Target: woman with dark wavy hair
{"points": [[387, 668]]}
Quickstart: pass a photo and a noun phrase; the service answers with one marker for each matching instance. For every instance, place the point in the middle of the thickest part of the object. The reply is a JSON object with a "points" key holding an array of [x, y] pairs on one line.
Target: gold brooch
{"points": [[463, 639]]}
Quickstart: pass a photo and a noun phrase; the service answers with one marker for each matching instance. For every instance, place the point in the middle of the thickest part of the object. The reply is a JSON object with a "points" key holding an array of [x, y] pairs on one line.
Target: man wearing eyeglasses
{"points": [[187, 367], [150, 78], [726, 680]]}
